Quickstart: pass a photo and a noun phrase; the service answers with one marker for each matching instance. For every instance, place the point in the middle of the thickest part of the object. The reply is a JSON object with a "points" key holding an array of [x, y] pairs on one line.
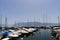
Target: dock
{"points": [[15, 33], [56, 32]]}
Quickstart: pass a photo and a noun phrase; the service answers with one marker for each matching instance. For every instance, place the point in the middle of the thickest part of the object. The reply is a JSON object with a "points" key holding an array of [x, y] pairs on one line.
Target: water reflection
{"points": [[42, 34]]}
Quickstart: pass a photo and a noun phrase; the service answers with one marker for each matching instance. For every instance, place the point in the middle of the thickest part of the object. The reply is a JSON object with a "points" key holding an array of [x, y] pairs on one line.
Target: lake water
{"points": [[42, 34]]}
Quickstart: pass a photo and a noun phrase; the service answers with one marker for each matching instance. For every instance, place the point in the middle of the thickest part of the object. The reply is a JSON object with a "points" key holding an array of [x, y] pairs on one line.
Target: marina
{"points": [[29, 19], [11, 34], [31, 34]]}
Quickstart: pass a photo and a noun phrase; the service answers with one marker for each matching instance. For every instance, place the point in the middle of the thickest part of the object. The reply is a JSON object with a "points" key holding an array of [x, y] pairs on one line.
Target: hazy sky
{"points": [[23, 10]]}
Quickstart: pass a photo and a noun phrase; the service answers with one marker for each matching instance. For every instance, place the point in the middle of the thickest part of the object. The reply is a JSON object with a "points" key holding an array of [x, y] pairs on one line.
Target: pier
{"points": [[56, 32], [40, 33], [14, 33]]}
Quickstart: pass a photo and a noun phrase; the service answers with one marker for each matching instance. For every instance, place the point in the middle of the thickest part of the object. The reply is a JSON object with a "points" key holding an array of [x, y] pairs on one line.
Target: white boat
{"points": [[15, 34], [56, 28], [23, 31], [30, 29], [5, 39]]}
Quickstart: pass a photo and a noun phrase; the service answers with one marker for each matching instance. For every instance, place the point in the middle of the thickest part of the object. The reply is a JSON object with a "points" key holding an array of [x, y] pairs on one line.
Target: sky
{"points": [[29, 10]]}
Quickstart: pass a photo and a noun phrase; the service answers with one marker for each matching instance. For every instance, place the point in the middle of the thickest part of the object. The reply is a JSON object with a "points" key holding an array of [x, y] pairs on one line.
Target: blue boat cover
{"points": [[8, 33]]}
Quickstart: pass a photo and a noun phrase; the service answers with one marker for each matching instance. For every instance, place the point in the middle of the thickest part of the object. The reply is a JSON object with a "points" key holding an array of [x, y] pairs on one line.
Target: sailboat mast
{"points": [[15, 24], [43, 19], [1, 21], [46, 18], [34, 23], [6, 22], [58, 20]]}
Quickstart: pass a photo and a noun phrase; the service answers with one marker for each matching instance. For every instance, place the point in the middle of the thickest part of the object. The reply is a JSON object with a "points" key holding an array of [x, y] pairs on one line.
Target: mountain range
{"points": [[34, 24]]}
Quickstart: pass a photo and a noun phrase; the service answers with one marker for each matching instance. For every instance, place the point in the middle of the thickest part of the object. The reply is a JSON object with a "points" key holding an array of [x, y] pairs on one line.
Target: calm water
{"points": [[42, 34]]}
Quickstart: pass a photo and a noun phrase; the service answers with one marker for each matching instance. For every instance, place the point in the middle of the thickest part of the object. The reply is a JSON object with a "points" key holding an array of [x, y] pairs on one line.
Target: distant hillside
{"points": [[34, 23]]}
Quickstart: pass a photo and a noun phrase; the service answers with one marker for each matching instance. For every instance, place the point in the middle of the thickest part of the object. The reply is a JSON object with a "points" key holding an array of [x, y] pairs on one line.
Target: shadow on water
{"points": [[42, 34]]}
